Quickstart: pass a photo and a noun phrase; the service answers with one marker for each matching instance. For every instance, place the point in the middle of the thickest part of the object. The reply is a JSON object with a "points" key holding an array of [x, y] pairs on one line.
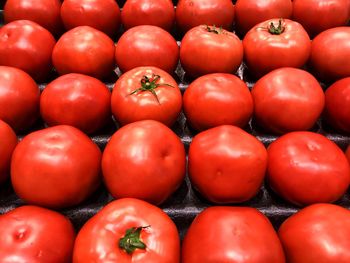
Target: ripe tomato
{"points": [[56, 167], [145, 160], [287, 99], [8, 142], [27, 46], [159, 13], [191, 13], [146, 93], [19, 98], [84, 50], [306, 168], [147, 46], [231, 234], [36, 235], [317, 234], [285, 39], [207, 49], [103, 15], [227, 164], [128, 230], [217, 99]]}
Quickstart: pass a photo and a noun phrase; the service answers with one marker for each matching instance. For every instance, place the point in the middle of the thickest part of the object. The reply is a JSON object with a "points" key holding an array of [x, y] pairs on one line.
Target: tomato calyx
{"points": [[132, 240], [214, 29], [276, 30]]}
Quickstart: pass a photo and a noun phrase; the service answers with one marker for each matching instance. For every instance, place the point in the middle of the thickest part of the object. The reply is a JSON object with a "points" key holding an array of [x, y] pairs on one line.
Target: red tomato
{"points": [[207, 49], [227, 164], [128, 230], [231, 234], [27, 46], [330, 54], [275, 44], [159, 13], [103, 15], [306, 168], [147, 46], [287, 99], [317, 234], [8, 142], [77, 100], [251, 12], [56, 167], [146, 93], [84, 50], [319, 15], [217, 99], [191, 13], [145, 160], [19, 98]]}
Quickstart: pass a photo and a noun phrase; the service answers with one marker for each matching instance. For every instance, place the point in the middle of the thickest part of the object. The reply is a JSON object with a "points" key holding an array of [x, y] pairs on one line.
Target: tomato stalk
{"points": [[214, 29], [276, 30], [132, 240]]}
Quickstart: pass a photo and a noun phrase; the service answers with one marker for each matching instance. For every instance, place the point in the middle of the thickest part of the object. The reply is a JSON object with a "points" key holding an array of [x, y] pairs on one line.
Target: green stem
{"points": [[276, 30], [214, 29], [132, 240]]}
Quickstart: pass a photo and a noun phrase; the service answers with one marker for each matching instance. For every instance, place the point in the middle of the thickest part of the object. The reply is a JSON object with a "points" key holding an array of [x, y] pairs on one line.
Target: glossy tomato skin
{"points": [[204, 52], [165, 107], [8, 142], [192, 13], [147, 46], [306, 168], [291, 48], [231, 234], [19, 98], [296, 92], [103, 15], [144, 160], [97, 241], [159, 13], [28, 46], [84, 50], [226, 164], [77, 100], [317, 234], [217, 99], [56, 167], [37, 235]]}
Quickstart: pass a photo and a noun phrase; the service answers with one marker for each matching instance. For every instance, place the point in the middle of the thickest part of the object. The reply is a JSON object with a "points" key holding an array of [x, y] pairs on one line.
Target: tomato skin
{"points": [[56, 167], [317, 234], [226, 164], [217, 99], [306, 168], [231, 234], [295, 91], [143, 105], [8, 142], [203, 52], [97, 241], [192, 13], [154, 173], [28, 46], [77, 100]]}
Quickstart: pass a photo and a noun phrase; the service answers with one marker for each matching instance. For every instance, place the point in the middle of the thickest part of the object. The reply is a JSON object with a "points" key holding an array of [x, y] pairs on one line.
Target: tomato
{"points": [[227, 164], [128, 230], [146, 93], [8, 142], [333, 44], [287, 99], [19, 98], [84, 50], [319, 15], [231, 234], [27, 46], [207, 49], [306, 168], [56, 167], [252, 12], [103, 15], [317, 234], [159, 13], [217, 99], [147, 46], [37, 235], [144, 160], [191, 13]]}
